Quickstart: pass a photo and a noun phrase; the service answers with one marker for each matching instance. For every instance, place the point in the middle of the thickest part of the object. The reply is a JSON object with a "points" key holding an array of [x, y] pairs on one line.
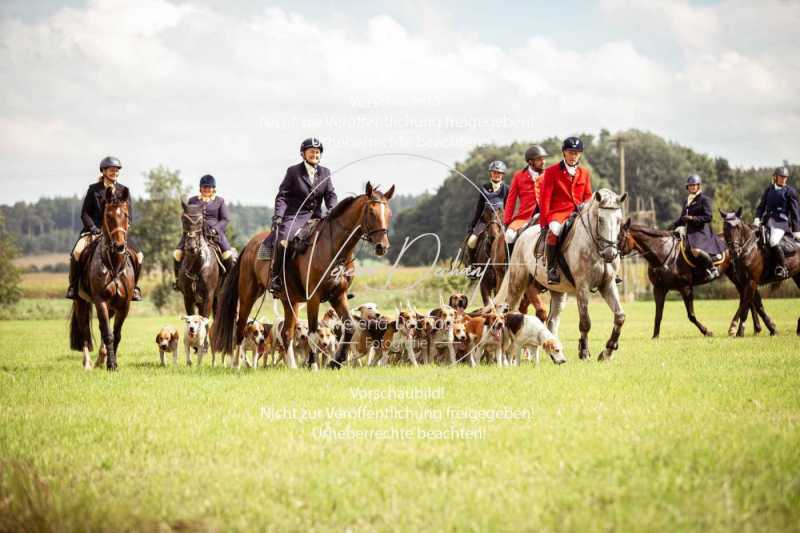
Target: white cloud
{"points": [[205, 91]]}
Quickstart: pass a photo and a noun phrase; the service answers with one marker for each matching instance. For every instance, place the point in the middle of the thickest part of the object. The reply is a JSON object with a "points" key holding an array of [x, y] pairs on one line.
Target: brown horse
{"points": [[199, 275], [321, 273], [491, 262], [106, 282], [753, 266], [668, 270]]}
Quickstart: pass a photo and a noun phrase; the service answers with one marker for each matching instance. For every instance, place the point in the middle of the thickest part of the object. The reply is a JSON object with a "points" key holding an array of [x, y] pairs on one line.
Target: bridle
{"points": [[367, 234], [739, 249], [601, 244]]}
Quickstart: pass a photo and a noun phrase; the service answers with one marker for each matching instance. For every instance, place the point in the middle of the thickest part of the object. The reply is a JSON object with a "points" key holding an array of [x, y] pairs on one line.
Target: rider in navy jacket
{"points": [[300, 197], [216, 217], [696, 217], [779, 210]]}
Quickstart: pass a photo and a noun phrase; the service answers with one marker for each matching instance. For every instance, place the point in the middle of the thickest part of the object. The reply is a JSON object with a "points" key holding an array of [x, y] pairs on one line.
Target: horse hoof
{"points": [[709, 334], [773, 333], [559, 360]]}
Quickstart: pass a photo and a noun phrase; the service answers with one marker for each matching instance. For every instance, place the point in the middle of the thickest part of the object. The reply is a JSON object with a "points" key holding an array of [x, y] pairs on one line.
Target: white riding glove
{"points": [[757, 222], [796, 235]]}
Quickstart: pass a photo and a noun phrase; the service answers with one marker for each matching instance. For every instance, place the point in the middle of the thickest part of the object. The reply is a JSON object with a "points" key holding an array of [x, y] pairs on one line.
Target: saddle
{"points": [[296, 246], [788, 243], [540, 242]]}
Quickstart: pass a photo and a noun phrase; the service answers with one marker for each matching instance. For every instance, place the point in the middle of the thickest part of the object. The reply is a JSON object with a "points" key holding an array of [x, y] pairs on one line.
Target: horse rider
{"points": [[779, 211], [92, 217], [695, 219], [525, 185], [300, 197], [216, 218], [565, 186], [494, 193]]}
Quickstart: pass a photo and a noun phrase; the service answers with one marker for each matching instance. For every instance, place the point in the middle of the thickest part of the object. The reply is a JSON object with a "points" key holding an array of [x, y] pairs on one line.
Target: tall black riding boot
{"points": [[137, 292], [780, 262], [510, 246], [553, 277], [176, 269], [275, 273], [74, 278], [711, 271]]}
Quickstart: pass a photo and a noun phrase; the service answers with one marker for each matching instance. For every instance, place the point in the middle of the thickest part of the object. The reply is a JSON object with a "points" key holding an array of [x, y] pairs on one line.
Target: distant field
{"points": [[40, 261], [683, 433]]}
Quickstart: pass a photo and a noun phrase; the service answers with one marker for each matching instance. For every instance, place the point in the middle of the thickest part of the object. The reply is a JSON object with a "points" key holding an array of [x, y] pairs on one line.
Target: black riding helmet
{"points": [[535, 151], [110, 161], [208, 181], [311, 142], [572, 143]]}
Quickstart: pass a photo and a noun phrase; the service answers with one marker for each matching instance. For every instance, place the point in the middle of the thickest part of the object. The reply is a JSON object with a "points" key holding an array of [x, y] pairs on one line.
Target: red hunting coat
{"points": [[562, 193], [527, 190]]}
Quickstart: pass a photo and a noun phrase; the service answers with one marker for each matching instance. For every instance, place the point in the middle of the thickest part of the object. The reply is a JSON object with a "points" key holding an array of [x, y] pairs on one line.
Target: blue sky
{"points": [[232, 87]]}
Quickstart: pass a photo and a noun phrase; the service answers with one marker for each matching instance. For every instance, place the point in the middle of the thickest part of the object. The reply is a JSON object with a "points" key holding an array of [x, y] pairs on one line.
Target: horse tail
{"points": [[80, 331], [223, 332]]}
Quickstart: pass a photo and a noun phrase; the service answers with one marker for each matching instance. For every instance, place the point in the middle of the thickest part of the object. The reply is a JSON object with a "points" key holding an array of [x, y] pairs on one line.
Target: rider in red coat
{"points": [[525, 185], [565, 186]]}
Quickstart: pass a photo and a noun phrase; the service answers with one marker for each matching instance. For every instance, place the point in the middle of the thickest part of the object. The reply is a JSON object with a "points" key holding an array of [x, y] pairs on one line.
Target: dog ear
{"points": [[739, 212], [158, 339], [549, 345], [186, 318]]}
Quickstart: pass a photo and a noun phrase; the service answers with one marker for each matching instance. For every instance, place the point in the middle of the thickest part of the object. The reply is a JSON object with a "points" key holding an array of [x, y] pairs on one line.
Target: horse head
{"points": [[735, 230], [607, 206], [192, 223], [116, 219], [376, 217]]}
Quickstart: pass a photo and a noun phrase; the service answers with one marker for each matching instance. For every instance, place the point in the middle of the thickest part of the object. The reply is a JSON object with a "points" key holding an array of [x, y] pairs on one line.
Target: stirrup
{"points": [[553, 277], [712, 273], [137, 294], [781, 272], [72, 293]]}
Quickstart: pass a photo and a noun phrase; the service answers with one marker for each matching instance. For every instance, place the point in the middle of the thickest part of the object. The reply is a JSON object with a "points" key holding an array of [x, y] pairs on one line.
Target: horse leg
{"points": [[533, 297], [585, 324], [659, 295], [796, 279], [122, 314], [688, 301], [738, 315], [312, 312], [188, 302], [557, 301], [287, 333], [749, 290], [107, 334], [340, 306], [611, 296]]}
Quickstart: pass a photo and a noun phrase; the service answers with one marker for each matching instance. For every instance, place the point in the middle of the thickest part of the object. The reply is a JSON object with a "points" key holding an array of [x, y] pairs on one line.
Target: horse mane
{"points": [[345, 203], [342, 206], [650, 232]]}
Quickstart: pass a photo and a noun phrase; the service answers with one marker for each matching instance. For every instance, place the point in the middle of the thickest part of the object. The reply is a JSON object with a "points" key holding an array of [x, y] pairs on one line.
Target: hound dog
{"points": [[255, 341], [442, 332], [398, 338], [459, 302], [360, 346], [196, 338], [275, 344], [485, 334], [527, 331], [324, 343], [167, 341]]}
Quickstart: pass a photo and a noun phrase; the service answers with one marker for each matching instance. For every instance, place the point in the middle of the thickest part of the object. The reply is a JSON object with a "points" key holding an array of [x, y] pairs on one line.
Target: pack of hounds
{"points": [[447, 335]]}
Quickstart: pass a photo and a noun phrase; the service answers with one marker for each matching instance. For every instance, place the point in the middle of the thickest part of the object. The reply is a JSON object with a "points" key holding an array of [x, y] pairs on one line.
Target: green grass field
{"points": [[683, 433]]}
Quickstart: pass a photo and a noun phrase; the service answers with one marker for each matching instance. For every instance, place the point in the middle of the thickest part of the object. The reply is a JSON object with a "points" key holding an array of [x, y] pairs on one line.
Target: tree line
{"points": [[656, 170]]}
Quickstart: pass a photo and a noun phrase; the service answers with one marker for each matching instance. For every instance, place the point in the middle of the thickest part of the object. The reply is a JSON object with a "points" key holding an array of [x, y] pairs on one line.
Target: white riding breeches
{"points": [[775, 236], [555, 227], [472, 242], [511, 235], [83, 242]]}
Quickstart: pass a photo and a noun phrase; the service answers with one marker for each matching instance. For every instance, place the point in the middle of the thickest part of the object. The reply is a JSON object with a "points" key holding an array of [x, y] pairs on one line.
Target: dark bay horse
{"points": [[753, 267], [668, 270], [107, 282], [200, 272], [321, 273], [491, 260]]}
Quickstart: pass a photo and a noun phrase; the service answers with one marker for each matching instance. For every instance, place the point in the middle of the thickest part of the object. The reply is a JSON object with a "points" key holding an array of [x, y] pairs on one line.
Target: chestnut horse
{"points": [[321, 273], [668, 270], [199, 275], [107, 282], [753, 267]]}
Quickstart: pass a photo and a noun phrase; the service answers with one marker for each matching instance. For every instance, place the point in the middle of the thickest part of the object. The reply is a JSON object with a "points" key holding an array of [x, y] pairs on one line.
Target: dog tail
{"points": [[223, 331], [80, 325]]}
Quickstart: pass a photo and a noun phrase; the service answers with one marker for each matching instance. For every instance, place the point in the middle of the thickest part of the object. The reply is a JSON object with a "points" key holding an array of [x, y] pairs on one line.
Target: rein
{"points": [[601, 244]]}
